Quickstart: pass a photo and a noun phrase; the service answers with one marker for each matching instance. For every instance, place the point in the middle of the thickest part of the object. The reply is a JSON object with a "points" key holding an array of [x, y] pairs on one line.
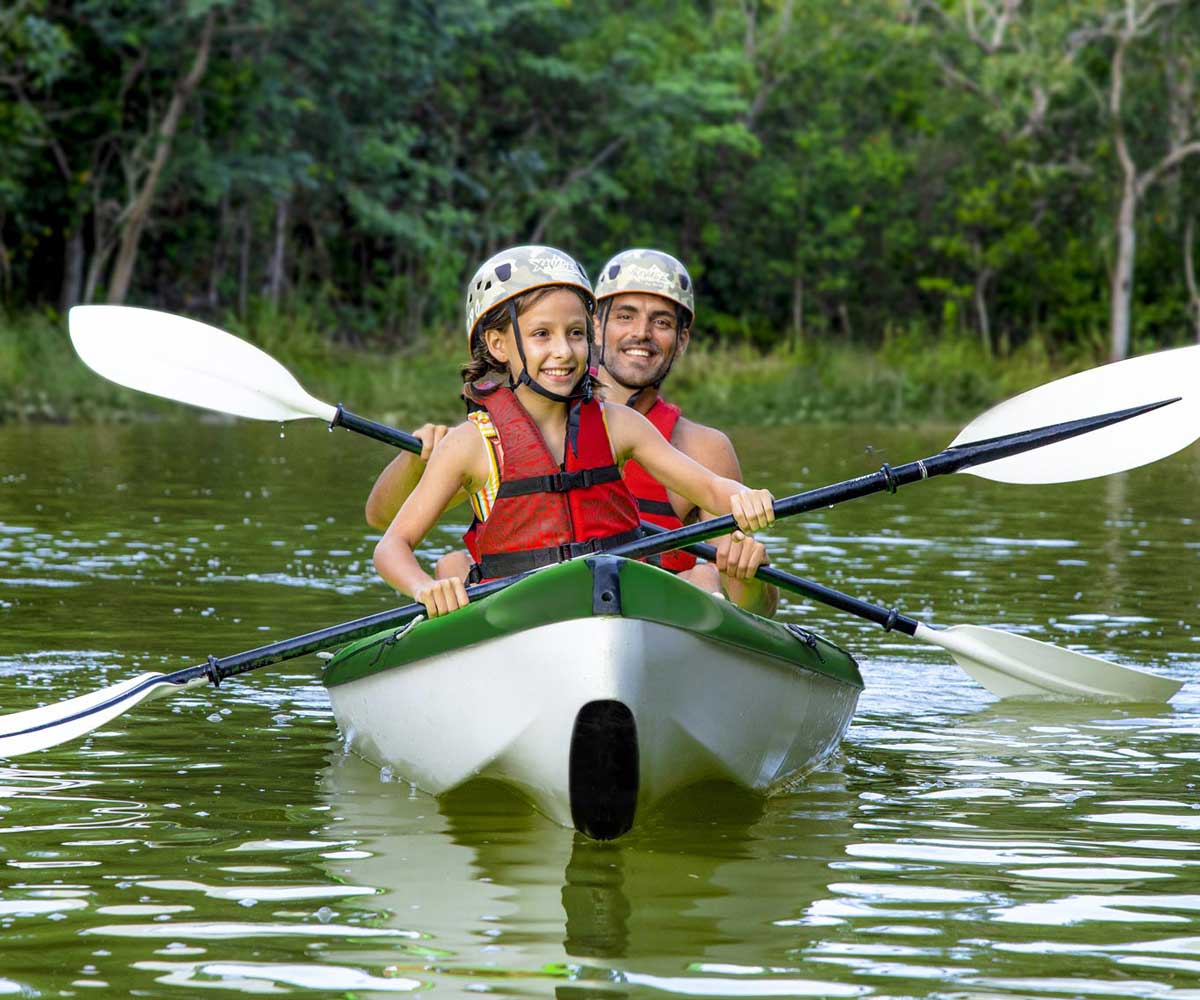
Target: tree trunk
{"points": [[797, 310], [72, 279], [244, 263], [275, 273], [216, 270], [844, 316], [5, 267], [1189, 273], [139, 211], [981, 309], [102, 246], [1121, 293]]}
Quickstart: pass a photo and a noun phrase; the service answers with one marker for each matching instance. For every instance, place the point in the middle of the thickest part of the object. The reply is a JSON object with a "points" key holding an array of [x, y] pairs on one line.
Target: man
{"points": [[644, 319], [644, 316]]}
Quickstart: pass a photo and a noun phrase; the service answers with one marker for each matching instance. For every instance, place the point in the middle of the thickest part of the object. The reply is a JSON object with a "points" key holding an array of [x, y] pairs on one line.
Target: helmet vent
{"points": [[503, 272], [614, 271], [683, 282]]}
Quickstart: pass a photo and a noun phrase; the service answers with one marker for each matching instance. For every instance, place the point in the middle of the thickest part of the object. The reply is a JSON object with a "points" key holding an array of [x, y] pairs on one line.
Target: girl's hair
{"points": [[482, 362]]}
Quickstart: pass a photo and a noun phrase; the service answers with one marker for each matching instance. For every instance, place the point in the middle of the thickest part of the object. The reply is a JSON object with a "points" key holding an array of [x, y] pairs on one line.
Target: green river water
{"points": [[222, 842]]}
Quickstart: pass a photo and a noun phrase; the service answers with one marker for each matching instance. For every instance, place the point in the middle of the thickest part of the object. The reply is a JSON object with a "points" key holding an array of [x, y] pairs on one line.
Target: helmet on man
{"points": [[651, 272]]}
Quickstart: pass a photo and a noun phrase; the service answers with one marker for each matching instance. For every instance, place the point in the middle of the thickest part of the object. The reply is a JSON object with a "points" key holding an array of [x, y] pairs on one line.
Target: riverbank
{"points": [[910, 378]]}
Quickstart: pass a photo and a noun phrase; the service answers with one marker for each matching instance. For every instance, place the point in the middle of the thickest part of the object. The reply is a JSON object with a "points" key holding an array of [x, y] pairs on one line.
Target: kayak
{"points": [[596, 688]]}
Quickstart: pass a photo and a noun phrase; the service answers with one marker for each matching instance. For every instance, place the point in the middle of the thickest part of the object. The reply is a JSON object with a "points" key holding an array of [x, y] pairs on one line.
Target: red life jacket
{"points": [[651, 495], [546, 512]]}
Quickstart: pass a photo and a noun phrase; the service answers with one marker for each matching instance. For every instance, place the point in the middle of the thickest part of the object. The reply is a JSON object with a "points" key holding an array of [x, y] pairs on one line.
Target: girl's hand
{"points": [[739, 556], [752, 509], [429, 435], [440, 597]]}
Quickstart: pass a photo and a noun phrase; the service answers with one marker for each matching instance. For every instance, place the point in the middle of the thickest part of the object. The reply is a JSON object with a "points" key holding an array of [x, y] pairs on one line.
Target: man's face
{"points": [[641, 338]]}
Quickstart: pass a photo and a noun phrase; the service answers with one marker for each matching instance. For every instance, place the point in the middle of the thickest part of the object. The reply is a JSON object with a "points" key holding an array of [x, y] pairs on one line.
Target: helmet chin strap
{"points": [[581, 390]]}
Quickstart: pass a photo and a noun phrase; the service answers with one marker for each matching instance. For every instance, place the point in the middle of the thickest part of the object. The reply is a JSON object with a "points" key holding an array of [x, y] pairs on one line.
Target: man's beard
{"points": [[637, 379]]}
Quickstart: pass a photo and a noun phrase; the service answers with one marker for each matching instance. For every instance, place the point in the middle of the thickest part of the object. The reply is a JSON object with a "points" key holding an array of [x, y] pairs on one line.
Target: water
{"points": [[956, 847]]}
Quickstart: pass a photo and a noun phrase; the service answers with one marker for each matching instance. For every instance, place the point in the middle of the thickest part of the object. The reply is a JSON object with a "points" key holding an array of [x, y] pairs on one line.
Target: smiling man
{"points": [[646, 305]]}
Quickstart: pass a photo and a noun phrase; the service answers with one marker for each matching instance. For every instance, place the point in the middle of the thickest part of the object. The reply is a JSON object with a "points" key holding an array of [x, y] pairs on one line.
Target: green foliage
{"points": [[832, 172], [912, 376]]}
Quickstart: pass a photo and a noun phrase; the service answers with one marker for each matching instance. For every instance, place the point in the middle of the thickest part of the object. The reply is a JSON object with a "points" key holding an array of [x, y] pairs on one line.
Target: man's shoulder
{"points": [[695, 431], [707, 445]]}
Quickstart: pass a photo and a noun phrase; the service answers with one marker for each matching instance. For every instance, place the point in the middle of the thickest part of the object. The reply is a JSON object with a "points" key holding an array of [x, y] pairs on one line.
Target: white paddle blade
{"points": [[190, 362], [50, 725], [1122, 385], [1016, 666]]}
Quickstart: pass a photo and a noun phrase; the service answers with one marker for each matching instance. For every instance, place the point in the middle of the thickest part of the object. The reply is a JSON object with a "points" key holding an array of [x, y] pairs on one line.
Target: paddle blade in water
{"points": [[1152, 378], [190, 362], [1016, 666], [63, 721]]}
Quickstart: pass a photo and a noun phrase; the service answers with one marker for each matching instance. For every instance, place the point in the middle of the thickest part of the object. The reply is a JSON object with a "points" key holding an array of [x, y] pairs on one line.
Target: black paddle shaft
{"points": [[372, 429], [889, 479], [216, 670], [887, 617]]}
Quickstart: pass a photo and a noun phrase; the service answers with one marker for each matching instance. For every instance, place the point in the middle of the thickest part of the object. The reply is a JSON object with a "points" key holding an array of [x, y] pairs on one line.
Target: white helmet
{"points": [[649, 271], [521, 269]]}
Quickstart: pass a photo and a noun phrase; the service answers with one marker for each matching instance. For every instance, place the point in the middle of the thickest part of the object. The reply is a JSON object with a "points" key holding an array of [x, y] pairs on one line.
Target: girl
{"points": [[539, 457]]}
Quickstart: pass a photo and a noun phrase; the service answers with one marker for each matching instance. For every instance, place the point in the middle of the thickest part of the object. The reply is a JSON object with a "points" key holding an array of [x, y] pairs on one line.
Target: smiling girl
{"points": [[538, 457]]}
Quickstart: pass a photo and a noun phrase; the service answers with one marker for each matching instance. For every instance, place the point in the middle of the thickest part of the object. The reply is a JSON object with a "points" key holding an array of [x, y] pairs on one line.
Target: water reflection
{"points": [[502, 892]]}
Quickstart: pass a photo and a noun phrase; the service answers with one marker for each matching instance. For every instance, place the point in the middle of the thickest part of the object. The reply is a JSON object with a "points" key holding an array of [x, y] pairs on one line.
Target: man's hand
{"points": [[429, 435], [739, 556]]}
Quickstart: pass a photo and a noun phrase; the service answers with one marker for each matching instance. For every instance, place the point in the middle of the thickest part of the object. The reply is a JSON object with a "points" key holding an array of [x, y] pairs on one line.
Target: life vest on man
{"points": [[651, 495], [545, 512]]}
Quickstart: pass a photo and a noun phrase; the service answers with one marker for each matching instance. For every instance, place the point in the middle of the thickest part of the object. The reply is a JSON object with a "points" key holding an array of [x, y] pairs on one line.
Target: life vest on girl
{"points": [[546, 512], [651, 495]]}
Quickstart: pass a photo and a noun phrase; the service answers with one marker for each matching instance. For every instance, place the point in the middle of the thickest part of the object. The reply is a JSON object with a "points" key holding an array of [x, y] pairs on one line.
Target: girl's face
{"points": [[554, 335]]}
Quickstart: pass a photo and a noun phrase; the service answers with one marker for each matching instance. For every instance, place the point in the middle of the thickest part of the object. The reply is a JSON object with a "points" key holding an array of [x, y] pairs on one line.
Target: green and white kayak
{"points": [[596, 688]]}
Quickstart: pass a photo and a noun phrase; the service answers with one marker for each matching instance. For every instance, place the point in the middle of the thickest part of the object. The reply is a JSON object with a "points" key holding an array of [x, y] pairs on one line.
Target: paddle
{"points": [[165, 375], [1008, 665], [39, 728], [977, 457], [192, 362], [50, 725]]}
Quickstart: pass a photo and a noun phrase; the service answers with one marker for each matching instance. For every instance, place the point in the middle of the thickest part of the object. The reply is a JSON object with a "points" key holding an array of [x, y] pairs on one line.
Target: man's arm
{"points": [[400, 477], [714, 451]]}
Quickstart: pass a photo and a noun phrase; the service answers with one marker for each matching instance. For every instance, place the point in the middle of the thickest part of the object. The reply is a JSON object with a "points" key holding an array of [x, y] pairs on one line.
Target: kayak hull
{"points": [[597, 717]]}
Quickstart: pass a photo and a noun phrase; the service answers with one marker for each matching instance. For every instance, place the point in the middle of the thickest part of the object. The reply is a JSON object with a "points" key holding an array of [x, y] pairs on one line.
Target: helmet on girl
{"points": [[651, 272], [511, 272]]}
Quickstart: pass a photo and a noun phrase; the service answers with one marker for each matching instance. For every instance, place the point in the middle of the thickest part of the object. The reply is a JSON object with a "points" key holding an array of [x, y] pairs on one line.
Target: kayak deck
{"points": [[596, 688]]}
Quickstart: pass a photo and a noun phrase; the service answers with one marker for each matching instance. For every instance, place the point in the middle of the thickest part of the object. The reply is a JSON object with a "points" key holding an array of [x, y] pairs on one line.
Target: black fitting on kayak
{"points": [[889, 474], [606, 584], [808, 638], [212, 671]]}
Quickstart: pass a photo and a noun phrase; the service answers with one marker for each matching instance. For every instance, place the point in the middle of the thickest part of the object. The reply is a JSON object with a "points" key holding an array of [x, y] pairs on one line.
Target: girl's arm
{"points": [[455, 465], [633, 436]]}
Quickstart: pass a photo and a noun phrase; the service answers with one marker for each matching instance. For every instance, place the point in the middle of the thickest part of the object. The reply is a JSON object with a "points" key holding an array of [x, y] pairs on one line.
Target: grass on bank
{"points": [[912, 377]]}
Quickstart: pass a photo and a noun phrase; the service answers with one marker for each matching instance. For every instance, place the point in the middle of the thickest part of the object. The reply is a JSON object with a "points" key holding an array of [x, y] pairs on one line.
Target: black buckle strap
{"points": [[501, 564], [659, 507], [559, 482]]}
